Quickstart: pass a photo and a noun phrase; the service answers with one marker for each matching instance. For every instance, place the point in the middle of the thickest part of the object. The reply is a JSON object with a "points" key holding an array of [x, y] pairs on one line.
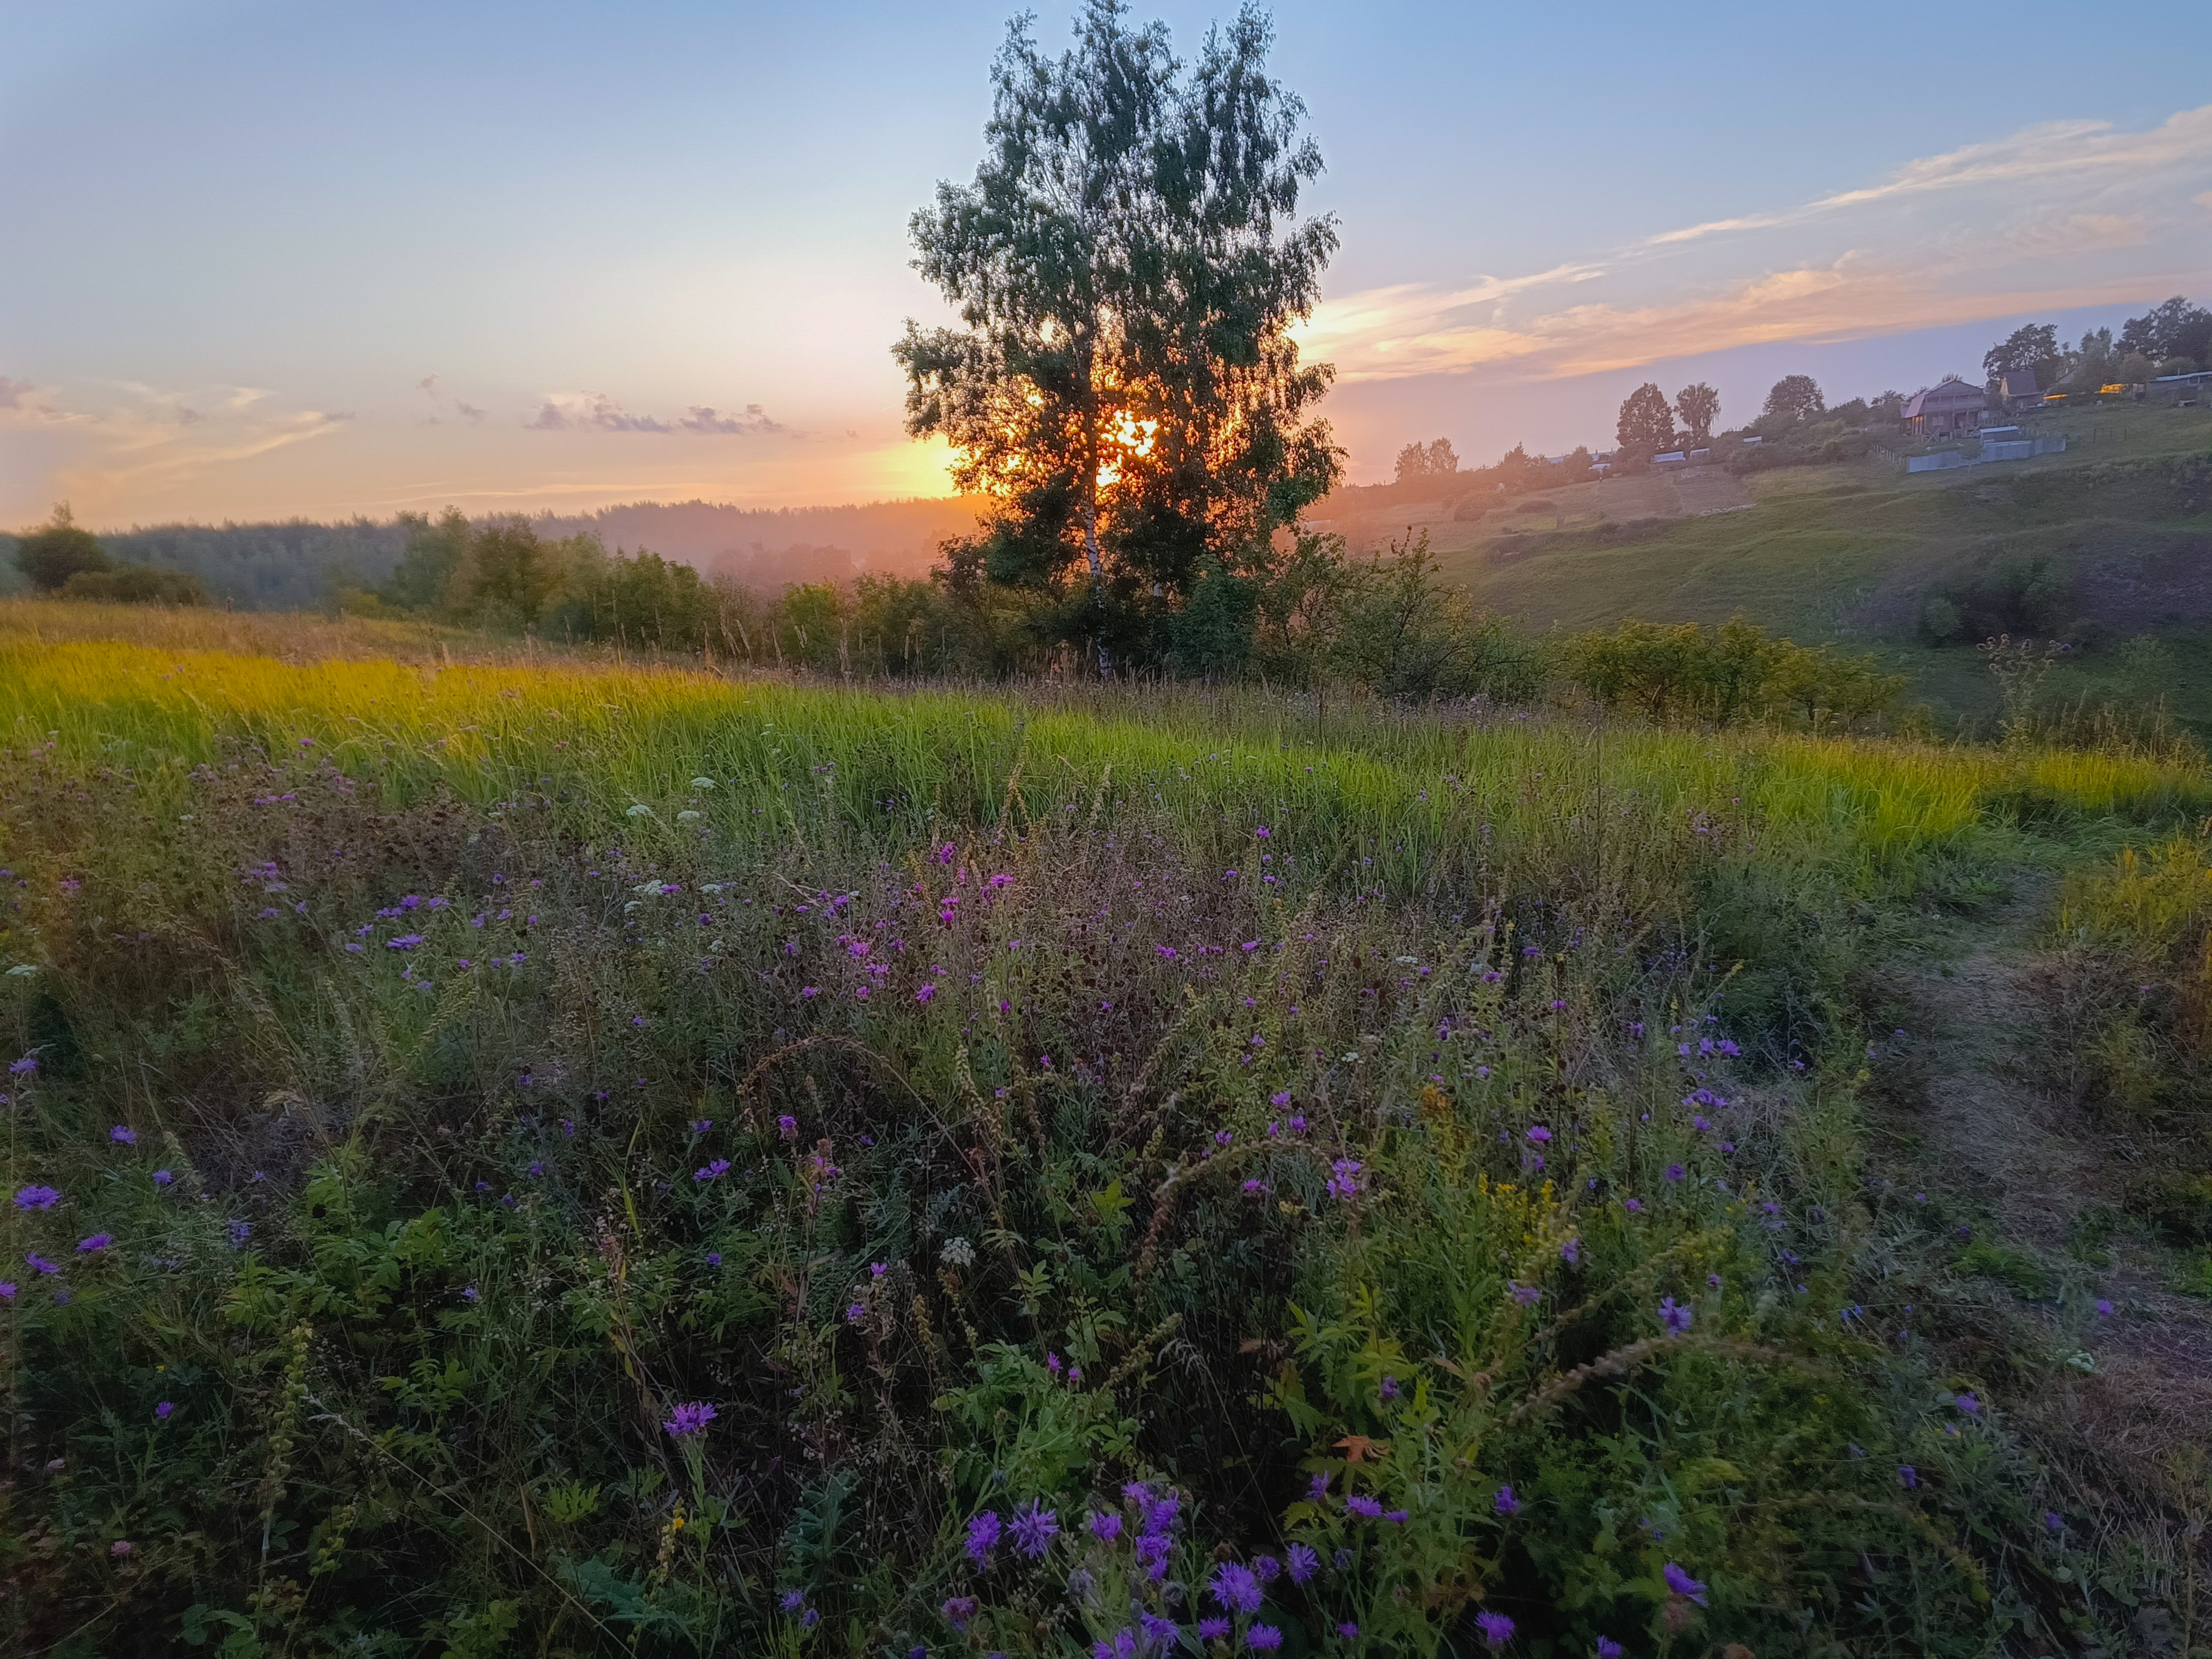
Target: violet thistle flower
{"points": [[687, 1421], [1214, 1629], [1035, 1528], [1234, 1588], [1365, 1507], [1674, 1317], [1506, 1503], [97, 1242], [1106, 1527], [1682, 1584], [124, 1136], [1263, 1639], [984, 1537], [1301, 1563], [36, 1197], [1496, 1630], [162, 1411]]}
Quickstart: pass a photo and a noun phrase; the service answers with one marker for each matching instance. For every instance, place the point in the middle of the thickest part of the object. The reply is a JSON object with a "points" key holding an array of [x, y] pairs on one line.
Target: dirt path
{"points": [[1977, 1110]]}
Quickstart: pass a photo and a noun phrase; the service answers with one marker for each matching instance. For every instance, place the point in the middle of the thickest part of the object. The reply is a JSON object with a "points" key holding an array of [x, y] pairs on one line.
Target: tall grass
{"points": [[1411, 1159]]}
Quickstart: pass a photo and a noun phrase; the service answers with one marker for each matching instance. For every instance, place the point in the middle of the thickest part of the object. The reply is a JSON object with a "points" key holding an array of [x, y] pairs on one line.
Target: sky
{"points": [[269, 259]]}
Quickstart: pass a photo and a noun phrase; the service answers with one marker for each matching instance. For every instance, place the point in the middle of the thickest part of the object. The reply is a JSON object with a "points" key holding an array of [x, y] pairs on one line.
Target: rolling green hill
{"points": [[2114, 536]]}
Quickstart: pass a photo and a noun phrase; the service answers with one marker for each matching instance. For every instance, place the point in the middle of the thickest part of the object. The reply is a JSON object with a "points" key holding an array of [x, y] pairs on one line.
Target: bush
{"points": [[52, 554], [135, 584]]}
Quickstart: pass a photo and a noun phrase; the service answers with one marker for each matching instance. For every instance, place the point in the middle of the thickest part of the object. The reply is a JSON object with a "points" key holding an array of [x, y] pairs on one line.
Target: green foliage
{"points": [[58, 550], [1734, 672], [1646, 426], [1128, 264], [981, 1103], [135, 584], [1791, 401]]}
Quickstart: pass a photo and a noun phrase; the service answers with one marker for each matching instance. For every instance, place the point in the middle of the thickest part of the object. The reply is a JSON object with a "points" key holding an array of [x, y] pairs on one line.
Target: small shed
{"points": [[2016, 392]]}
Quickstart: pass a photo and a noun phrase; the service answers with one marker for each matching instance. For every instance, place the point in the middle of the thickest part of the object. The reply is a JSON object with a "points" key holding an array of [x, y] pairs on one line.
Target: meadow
{"points": [[511, 1152]]}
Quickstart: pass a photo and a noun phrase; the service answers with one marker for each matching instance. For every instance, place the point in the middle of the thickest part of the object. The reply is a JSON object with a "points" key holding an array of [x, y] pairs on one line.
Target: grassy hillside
{"points": [[550, 1157], [1852, 552]]}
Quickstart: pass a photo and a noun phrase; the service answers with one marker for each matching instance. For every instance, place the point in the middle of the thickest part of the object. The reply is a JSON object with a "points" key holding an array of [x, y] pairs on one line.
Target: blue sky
{"points": [[283, 259]]}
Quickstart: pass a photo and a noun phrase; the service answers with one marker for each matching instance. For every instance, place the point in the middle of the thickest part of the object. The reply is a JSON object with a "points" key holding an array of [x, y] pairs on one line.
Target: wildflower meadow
{"points": [[562, 1158]]}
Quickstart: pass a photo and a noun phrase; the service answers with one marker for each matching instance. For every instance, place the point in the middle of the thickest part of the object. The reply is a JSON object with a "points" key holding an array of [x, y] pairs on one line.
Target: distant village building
{"points": [[1950, 406], [2016, 392], [1674, 458]]}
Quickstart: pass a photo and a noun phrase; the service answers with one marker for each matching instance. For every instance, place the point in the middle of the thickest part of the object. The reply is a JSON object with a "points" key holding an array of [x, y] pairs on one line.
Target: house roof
{"points": [[2018, 383], [1949, 393]]}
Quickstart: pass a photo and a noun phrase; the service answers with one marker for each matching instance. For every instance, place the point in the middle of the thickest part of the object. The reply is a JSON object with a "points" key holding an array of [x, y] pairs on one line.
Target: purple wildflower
{"points": [[1366, 1508], [1506, 1503], [687, 1420], [1265, 1638], [1524, 1295], [124, 1136], [1496, 1630], [792, 1600], [1676, 1172], [1608, 1649], [1539, 1133], [1909, 1475], [162, 1177], [1572, 1251], [715, 1170], [97, 1242], [161, 1412], [787, 1126], [1214, 1629], [1035, 1528], [1106, 1527], [1682, 1584], [1301, 1562], [6, 1289], [1317, 1488], [1674, 1317], [36, 1197], [701, 1125], [1348, 1631], [1967, 1403], [984, 1537], [1235, 1588], [1344, 1182], [958, 1610]]}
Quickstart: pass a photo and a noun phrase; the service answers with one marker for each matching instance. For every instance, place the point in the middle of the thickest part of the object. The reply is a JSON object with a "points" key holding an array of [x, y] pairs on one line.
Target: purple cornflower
{"points": [[1682, 1584], [1235, 1588], [855, 1312], [161, 1412], [701, 1125], [162, 1177], [1524, 1295], [984, 1537], [1633, 1205], [715, 1169], [1572, 1251], [1317, 1488], [1366, 1508], [1214, 1629], [1390, 1387], [1967, 1403], [1539, 1133], [97, 1242], [1348, 1631], [1301, 1563], [1608, 1649], [1161, 1514], [124, 1136], [1909, 1475], [1674, 1317], [1506, 1503], [1398, 1517], [958, 1610], [23, 1067], [36, 1197], [1035, 1528], [6, 1289], [713, 1258], [792, 1600], [787, 1126], [687, 1420], [1106, 1527], [1344, 1183], [1264, 1638], [1676, 1172], [1496, 1630]]}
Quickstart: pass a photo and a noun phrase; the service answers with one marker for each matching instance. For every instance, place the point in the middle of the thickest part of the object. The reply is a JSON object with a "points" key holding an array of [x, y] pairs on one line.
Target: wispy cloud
{"points": [[595, 411], [2033, 211], [12, 392]]}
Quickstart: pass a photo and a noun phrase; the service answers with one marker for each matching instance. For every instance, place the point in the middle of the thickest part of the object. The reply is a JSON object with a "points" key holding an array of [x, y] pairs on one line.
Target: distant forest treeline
{"points": [[300, 564]]}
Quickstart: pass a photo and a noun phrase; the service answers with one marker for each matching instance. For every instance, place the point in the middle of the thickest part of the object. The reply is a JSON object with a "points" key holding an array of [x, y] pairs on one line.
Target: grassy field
{"points": [[516, 1154], [1849, 553]]}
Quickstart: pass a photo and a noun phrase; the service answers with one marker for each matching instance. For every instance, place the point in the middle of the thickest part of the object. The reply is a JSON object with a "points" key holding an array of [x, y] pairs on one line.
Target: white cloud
{"points": [[2092, 190]]}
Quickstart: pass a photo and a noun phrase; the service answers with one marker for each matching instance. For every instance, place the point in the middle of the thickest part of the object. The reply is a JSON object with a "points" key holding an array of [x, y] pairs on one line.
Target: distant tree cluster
{"points": [[1647, 423], [2174, 337], [61, 557], [1431, 462]]}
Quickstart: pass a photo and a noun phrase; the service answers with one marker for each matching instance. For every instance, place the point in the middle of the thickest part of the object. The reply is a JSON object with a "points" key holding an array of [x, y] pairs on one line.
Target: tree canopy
{"points": [[2032, 347], [1647, 422], [58, 549], [1792, 399], [1127, 262], [2173, 328], [1420, 463], [1698, 405]]}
